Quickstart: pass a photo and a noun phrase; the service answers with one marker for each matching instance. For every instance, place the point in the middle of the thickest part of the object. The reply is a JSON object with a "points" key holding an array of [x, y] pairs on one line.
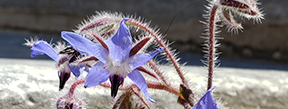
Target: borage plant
{"points": [[112, 46]]}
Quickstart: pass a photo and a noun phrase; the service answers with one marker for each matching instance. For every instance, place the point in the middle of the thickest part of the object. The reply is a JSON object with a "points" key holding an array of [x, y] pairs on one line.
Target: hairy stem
{"points": [[74, 85], [211, 45], [166, 49], [142, 69], [161, 86], [155, 68], [94, 24], [152, 85], [136, 92]]}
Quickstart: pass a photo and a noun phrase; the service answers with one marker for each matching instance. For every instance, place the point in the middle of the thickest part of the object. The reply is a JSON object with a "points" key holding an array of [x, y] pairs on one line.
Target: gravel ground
{"points": [[33, 84]]}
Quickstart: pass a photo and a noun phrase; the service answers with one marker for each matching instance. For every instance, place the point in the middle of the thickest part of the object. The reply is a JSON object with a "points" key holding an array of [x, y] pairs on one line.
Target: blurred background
{"points": [[260, 46]]}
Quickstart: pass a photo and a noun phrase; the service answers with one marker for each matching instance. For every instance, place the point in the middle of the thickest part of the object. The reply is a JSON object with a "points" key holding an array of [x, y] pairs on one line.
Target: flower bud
{"points": [[69, 103]]}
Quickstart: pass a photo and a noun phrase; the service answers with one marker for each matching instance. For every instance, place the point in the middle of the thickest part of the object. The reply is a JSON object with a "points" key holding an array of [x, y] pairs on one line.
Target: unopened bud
{"points": [[69, 103]]}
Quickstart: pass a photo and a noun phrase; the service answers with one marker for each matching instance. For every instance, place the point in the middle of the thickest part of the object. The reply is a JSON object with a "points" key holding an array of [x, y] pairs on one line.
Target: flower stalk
{"points": [[211, 46], [74, 85]]}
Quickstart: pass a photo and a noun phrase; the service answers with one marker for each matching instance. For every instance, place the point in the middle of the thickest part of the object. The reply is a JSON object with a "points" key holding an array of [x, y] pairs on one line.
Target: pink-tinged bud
{"points": [[63, 77], [234, 4], [228, 19], [246, 8], [69, 103], [70, 100]]}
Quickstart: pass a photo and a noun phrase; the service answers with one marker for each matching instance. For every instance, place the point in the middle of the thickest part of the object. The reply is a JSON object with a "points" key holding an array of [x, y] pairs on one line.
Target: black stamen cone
{"points": [[61, 85], [63, 77], [115, 83]]}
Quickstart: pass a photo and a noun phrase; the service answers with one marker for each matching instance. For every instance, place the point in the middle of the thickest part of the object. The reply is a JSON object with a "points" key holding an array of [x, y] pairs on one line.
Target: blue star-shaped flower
{"points": [[42, 47], [114, 58]]}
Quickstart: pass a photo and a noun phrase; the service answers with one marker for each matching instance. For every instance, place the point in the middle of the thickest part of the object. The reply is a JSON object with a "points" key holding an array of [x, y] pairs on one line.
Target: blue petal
{"points": [[82, 44], [121, 43], [139, 59], [35, 53], [42, 47], [77, 70], [139, 80], [207, 101], [97, 75]]}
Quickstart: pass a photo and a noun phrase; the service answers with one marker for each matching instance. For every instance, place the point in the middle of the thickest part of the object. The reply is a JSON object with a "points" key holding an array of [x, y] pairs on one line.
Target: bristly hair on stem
{"points": [[224, 10], [210, 47]]}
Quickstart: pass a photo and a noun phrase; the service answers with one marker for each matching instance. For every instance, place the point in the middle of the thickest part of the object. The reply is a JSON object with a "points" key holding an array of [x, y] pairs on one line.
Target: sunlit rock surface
{"points": [[34, 84]]}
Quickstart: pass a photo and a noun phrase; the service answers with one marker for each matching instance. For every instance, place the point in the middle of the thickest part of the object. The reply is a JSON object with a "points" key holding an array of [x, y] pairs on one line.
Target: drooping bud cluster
{"points": [[69, 103], [227, 9], [70, 100]]}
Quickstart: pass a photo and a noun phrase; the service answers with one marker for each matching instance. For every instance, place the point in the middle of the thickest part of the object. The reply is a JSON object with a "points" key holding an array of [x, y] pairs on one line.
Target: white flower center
{"points": [[118, 67]]}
